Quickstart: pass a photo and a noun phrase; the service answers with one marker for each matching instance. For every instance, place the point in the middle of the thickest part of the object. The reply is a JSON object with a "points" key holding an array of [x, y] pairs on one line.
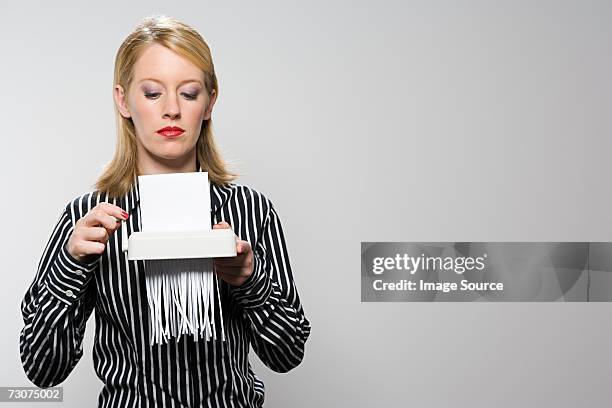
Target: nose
{"points": [[172, 109]]}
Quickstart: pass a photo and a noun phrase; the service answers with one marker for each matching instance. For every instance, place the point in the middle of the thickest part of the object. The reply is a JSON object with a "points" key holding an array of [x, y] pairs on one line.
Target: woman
{"points": [[165, 90]]}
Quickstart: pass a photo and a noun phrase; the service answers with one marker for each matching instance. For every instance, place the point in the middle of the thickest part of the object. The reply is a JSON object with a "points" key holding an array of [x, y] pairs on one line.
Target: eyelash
{"points": [[190, 97]]}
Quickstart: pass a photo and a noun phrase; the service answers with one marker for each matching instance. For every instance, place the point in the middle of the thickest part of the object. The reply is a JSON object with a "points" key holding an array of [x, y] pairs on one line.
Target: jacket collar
{"points": [[218, 195]]}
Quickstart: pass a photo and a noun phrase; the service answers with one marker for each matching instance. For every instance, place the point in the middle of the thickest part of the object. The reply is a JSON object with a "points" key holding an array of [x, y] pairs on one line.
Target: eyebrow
{"points": [[180, 83]]}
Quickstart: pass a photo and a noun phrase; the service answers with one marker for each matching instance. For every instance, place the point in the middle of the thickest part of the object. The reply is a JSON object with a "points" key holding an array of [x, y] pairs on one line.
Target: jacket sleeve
{"points": [[270, 301], [56, 307]]}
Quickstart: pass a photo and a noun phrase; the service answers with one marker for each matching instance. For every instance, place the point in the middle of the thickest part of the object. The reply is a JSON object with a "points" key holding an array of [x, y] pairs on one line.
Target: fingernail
{"points": [[125, 215]]}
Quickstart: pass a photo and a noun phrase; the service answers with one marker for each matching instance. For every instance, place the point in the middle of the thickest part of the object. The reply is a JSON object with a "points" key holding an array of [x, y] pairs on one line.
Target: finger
{"points": [[83, 248], [99, 217], [103, 220], [228, 265], [243, 247], [222, 224], [112, 209], [228, 262], [237, 259], [98, 234]]}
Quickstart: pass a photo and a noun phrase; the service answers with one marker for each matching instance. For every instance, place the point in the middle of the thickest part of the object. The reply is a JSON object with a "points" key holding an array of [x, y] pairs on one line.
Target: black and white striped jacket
{"points": [[264, 312]]}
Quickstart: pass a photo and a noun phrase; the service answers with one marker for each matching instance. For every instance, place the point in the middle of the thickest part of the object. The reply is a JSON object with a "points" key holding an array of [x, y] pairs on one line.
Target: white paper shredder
{"points": [[179, 244]]}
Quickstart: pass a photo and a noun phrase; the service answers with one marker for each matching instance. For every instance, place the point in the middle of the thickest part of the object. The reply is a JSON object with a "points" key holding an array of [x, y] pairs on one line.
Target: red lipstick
{"points": [[171, 131]]}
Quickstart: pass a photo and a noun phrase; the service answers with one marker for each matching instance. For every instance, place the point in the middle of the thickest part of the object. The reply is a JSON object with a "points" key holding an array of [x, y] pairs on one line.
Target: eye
{"points": [[151, 95], [190, 96]]}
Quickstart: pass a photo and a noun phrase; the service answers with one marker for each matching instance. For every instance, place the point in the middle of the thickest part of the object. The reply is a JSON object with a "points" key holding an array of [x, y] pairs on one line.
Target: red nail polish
{"points": [[125, 215]]}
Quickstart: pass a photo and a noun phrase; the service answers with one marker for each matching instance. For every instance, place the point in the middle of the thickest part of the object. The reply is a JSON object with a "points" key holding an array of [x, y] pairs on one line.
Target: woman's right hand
{"points": [[92, 231]]}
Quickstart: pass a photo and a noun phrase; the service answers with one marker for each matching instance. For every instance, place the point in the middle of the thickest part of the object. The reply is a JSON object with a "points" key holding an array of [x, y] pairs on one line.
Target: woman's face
{"points": [[166, 90]]}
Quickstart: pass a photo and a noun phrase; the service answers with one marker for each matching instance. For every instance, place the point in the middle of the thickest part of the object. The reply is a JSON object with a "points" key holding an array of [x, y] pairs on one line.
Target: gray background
{"points": [[395, 121]]}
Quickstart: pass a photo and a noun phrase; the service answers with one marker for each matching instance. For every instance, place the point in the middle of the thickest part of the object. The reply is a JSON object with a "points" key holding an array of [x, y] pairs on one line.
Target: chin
{"points": [[168, 156]]}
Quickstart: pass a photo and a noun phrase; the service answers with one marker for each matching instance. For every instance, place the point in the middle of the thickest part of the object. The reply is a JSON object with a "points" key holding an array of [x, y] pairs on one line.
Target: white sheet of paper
{"points": [[175, 201]]}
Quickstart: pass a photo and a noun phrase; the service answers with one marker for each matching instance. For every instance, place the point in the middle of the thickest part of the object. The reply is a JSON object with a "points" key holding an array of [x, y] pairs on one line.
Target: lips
{"points": [[170, 131]]}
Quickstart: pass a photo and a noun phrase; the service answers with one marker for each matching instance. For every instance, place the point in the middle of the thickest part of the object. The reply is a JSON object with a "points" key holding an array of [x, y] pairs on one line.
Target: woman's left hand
{"points": [[234, 270]]}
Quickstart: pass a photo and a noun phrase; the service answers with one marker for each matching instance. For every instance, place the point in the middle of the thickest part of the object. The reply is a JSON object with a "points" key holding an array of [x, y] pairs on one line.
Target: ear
{"points": [[120, 101], [211, 103]]}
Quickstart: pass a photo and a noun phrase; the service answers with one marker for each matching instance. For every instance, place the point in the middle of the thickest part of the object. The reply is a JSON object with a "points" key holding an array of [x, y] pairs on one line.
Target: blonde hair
{"points": [[120, 172]]}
